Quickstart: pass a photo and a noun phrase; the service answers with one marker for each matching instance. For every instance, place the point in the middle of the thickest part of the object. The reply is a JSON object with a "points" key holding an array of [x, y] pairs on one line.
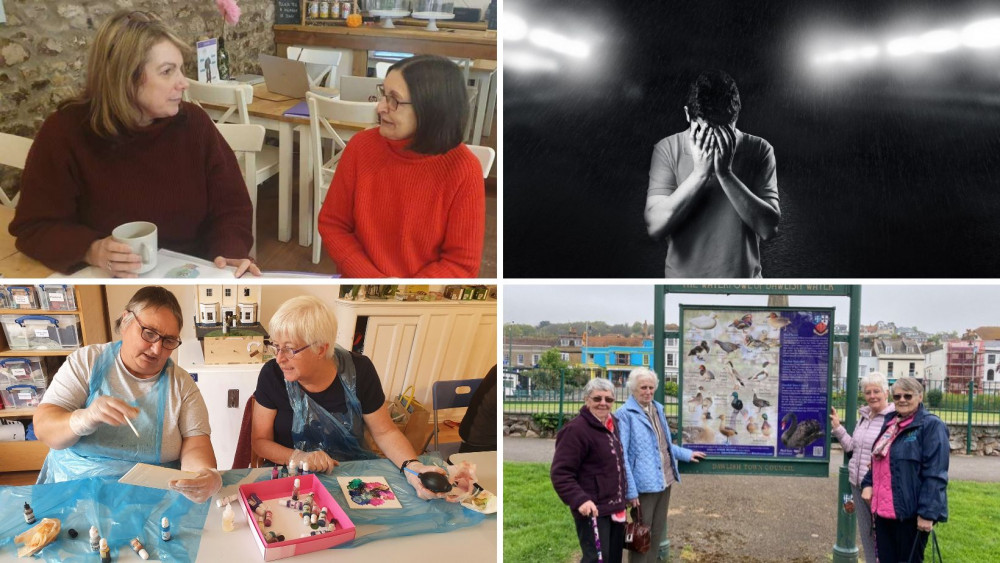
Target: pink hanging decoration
{"points": [[229, 10]]}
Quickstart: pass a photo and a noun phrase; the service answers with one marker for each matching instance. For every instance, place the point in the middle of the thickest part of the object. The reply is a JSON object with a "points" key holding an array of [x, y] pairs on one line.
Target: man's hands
{"points": [[201, 488], [414, 480], [701, 141], [724, 142], [319, 461]]}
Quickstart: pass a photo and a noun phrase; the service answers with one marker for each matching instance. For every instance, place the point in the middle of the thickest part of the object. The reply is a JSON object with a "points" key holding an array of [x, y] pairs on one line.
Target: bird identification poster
{"points": [[755, 386]]}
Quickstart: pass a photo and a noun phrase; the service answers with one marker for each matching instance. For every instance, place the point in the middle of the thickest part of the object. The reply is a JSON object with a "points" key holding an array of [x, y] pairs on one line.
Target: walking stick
{"points": [[597, 538]]}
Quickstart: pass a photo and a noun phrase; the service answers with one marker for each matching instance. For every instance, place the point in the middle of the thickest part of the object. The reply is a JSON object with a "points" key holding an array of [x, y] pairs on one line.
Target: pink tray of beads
{"points": [[274, 493]]}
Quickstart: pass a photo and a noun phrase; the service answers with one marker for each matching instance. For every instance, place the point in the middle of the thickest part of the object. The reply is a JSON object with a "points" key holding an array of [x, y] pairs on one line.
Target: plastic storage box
{"points": [[41, 332], [21, 396], [22, 297], [270, 492], [57, 297]]}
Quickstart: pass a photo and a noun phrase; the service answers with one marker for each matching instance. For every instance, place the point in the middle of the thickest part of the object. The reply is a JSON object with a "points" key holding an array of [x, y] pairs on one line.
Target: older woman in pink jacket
{"points": [[870, 419]]}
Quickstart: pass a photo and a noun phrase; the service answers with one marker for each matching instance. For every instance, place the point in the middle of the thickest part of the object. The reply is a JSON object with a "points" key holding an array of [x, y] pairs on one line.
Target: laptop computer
{"points": [[359, 89], [284, 76]]}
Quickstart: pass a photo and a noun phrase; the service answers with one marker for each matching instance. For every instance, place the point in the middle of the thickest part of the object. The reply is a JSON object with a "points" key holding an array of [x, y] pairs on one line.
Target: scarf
{"points": [[885, 440]]}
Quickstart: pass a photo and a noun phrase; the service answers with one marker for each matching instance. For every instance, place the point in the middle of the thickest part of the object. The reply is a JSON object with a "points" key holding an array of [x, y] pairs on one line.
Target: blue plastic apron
{"points": [[113, 450], [340, 435]]}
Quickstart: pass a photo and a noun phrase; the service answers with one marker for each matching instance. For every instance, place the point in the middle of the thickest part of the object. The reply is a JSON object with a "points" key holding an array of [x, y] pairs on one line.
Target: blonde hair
{"points": [[115, 68], [307, 319]]}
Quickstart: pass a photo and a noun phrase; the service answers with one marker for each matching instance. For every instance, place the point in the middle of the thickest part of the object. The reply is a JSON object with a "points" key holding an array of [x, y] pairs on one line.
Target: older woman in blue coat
{"points": [[650, 457]]}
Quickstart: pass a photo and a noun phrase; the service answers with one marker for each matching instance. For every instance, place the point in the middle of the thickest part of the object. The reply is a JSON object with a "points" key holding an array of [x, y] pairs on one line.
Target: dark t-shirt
{"points": [[271, 393]]}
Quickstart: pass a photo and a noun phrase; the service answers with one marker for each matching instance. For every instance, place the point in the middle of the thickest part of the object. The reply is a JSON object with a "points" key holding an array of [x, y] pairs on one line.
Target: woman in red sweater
{"points": [[407, 199], [128, 149]]}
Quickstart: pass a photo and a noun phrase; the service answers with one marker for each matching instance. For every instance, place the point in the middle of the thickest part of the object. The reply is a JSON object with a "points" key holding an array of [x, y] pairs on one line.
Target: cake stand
{"points": [[433, 17], [387, 16]]}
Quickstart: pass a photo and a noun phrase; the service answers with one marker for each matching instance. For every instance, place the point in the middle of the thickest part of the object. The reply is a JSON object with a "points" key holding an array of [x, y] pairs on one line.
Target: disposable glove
{"points": [[201, 488], [319, 461], [104, 410]]}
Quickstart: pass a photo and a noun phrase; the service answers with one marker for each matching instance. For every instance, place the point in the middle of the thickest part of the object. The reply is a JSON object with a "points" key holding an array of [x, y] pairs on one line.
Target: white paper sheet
{"points": [[154, 476]]}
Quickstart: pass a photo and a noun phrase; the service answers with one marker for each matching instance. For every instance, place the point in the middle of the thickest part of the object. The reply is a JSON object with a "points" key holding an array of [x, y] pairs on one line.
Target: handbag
{"points": [[935, 548], [637, 536]]}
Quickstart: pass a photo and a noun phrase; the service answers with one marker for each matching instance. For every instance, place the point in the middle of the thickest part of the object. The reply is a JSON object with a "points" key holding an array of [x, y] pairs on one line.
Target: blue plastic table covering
{"points": [[122, 512]]}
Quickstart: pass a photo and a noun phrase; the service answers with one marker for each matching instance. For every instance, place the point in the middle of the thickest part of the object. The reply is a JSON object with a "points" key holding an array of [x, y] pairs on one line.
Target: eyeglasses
{"points": [[907, 396], [391, 102], [151, 336], [605, 399], [287, 350]]}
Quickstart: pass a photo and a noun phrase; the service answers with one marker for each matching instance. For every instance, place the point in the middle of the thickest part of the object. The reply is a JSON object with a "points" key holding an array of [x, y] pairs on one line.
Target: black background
{"points": [[888, 171]]}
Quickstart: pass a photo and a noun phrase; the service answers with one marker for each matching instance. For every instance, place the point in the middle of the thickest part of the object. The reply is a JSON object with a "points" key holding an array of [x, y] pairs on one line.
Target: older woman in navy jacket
{"points": [[650, 457], [588, 473], [907, 485]]}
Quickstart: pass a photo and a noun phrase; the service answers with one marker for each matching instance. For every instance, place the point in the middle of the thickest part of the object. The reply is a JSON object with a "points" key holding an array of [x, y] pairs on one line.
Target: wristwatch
{"points": [[407, 462]]}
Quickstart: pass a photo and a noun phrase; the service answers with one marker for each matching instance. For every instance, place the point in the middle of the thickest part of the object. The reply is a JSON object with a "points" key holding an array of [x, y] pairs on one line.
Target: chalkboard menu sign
{"points": [[288, 11]]}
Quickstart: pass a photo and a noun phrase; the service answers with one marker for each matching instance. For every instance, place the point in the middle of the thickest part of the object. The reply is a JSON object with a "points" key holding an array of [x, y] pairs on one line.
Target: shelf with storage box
{"points": [[91, 320]]}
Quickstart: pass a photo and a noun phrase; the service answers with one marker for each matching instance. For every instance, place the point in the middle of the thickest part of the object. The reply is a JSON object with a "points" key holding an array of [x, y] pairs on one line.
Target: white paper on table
{"points": [[154, 476], [169, 264]]}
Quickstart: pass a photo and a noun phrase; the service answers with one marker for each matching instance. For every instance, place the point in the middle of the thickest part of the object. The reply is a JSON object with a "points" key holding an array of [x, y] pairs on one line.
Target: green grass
{"points": [[969, 535], [537, 526]]}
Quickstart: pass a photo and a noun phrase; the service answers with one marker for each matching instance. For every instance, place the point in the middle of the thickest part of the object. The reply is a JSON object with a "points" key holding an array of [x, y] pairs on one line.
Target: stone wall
{"points": [[985, 439], [43, 49]]}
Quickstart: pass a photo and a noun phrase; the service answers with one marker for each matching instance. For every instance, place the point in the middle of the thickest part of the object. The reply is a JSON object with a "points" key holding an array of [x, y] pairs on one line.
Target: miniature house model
{"points": [[215, 302]]}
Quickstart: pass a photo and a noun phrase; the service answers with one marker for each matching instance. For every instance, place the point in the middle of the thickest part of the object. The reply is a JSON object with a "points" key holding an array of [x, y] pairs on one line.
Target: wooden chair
{"points": [[13, 153], [246, 141], [322, 110], [245, 456], [486, 155], [320, 63]]}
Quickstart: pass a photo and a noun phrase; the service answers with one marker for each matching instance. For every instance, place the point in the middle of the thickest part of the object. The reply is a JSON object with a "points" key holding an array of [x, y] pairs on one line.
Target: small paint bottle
{"points": [[165, 529], [305, 468], [295, 490], [138, 548], [227, 518], [267, 518], [105, 551], [305, 521], [95, 539], [314, 521], [271, 537], [223, 501], [29, 514], [274, 472]]}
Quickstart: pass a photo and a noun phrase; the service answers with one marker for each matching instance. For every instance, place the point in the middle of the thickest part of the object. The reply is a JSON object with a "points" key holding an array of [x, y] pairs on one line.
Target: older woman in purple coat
{"points": [[859, 445], [588, 473]]}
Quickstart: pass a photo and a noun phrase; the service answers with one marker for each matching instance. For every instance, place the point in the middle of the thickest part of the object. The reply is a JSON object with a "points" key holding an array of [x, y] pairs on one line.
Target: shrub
{"points": [[549, 421], [670, 389], [934, 398]]}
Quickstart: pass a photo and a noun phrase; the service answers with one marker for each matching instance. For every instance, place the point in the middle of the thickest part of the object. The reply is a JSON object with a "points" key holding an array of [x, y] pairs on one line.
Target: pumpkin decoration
{"points": [[354, 20]]}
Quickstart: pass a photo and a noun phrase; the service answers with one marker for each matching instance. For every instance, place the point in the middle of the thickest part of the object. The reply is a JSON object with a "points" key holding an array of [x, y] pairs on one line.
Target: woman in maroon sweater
{"points": [[128, 149], [407, 199], [588, 474]]}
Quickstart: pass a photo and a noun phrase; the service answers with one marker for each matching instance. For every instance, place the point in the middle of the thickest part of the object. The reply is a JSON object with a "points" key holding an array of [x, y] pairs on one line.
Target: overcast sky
{"points": [[931, 308]]}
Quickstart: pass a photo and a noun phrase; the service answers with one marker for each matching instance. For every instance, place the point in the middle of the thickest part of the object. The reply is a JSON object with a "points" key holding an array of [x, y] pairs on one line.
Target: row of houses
{"points": [[975, 357]]}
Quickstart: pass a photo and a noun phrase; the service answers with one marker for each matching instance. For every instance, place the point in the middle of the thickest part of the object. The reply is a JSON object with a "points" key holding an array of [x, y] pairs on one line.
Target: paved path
{"points": [[754, 519]]}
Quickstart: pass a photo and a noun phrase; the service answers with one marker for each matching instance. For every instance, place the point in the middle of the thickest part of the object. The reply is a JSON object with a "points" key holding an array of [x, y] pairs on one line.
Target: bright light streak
{"points": [[559, 43], [528, 62], [858, 54], [982, 34], [903, 46], [514, 28], [939, 41]]}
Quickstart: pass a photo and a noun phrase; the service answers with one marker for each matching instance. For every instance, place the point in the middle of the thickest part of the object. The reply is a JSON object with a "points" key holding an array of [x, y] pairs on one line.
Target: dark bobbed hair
{"points": [[151, 297], [713, 96], [440, 102]]}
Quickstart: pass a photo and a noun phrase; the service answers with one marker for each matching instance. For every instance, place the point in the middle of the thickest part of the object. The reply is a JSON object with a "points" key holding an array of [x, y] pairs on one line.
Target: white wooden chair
{"points": [[486, 155], [235, 98], [322, 110], [13, 153], [320, 63], [246, 141]]}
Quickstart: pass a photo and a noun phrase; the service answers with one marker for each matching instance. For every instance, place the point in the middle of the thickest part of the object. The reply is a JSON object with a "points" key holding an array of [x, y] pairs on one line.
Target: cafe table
{"points": [[474, 541]]}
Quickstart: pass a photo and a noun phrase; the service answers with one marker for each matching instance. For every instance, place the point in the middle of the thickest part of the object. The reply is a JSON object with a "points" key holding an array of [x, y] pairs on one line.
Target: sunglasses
{"points": [[907, 396], [605, 399]]}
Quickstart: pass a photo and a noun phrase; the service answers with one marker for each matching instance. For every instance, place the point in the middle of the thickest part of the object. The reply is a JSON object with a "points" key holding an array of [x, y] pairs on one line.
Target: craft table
{"points": [[472, 543]]}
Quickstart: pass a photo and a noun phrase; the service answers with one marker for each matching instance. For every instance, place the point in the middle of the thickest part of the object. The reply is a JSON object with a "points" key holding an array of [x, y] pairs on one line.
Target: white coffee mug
{"points": [[141, 237]]}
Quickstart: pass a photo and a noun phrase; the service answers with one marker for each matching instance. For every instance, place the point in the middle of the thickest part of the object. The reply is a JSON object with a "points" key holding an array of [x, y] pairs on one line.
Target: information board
{"points": [[287, 12], [755, 388]]}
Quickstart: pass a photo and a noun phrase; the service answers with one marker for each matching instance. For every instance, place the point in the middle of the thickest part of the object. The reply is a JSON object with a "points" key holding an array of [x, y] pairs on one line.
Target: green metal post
{"points": [[846, 548], [972, 402], [659, 366], [562, 398]]}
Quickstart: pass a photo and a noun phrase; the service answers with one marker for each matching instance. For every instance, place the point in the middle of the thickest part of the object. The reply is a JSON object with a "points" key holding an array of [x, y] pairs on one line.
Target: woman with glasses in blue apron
{"points": [[315, 399], [102, 391]]}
